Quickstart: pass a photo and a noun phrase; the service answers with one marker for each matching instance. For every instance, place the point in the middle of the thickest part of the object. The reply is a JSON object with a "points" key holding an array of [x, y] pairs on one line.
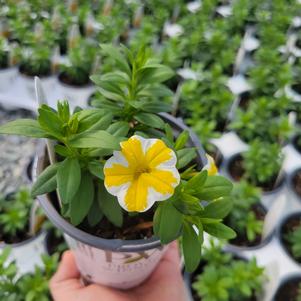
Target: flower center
{"points": [[140, 170]]}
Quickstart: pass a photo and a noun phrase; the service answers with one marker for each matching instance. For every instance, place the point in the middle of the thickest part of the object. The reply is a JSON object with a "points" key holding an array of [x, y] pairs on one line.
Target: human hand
{"points": [[164, 284]]}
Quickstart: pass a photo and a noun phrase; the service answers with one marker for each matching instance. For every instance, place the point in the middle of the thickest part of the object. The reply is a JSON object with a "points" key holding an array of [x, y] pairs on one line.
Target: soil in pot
{"points": [[297, 88], [289, 290], [241, 240], [245, 99], [74, 82], [236, 170], [296, 181], [291, 225], [134, 227]]}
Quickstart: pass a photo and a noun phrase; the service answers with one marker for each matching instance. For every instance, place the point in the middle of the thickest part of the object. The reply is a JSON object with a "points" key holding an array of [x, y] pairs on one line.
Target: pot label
{"points": [[121, 270]]}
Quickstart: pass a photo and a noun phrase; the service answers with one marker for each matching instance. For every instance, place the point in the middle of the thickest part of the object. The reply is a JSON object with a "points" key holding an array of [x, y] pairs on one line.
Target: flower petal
{"points": [[210, 166], [136, 196]]}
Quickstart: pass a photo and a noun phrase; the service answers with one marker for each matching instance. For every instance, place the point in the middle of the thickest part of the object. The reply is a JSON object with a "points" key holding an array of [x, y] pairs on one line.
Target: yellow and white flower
{"points": [[211, 166], [143, 172]]}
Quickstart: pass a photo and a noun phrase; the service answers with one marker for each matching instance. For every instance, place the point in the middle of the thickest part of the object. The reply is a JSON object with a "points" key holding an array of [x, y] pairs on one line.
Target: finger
{"points": [[169, 266], [172, 254], [67, 268]]}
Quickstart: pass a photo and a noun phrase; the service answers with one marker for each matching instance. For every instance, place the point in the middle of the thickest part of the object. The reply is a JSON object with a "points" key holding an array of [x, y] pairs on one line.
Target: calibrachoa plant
{"points": [[120, 160], [226, 278]]}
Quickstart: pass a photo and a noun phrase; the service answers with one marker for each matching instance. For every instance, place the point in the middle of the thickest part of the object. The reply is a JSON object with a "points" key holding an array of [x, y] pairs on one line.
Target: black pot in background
{"points": [[268, 196], [231, 247], [280, 229], [287, 288], [291, 178]]}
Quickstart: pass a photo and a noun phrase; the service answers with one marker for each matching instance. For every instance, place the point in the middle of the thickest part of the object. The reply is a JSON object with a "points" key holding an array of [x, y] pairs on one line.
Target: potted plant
{"points": [[16, 230], [224, 277], [107, 200], [31, 286], [250, 124], [289, 236], [289, 289], [74, 76], [206, 99], [260, 165], [247, 216], [7, 70], [36, 61]]}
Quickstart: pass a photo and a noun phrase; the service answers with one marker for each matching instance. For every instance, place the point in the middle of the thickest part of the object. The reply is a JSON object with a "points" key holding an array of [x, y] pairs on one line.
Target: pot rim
{"points": [[228, 161], [31, 78], [279, 236], [290, 177], [67, 86], [110, 244], [24, 242], [285, 280]]}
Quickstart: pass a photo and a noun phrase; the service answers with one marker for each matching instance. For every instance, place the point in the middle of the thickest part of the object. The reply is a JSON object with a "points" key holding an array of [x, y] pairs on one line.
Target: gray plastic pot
{"points": [[117, 263]]}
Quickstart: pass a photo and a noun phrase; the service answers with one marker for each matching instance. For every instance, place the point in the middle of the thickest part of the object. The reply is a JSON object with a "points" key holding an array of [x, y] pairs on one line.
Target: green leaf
{"points": [[192, 247], [187, 204], [50, 121], [218, 209], [181, 140], [167, 222], [168, 132], [119, 129], [185, 156], [97, 139], [96, 168], [109, 206], [93, 120], [114, 53], [68, 179], [82, 201], [95, 215], [24, 127], [195, 184], [155, 73], [62, 150], [46, 182], [215, 187], [219, 230], [150, 119]]}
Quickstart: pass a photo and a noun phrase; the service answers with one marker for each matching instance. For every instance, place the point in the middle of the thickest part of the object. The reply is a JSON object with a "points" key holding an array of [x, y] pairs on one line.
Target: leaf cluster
{"points": [[28, 287], [80, 61], [235, 279], [262, 162], [14, 212], [242, 218], [293, 238], [134, 90], [250, 124]]}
